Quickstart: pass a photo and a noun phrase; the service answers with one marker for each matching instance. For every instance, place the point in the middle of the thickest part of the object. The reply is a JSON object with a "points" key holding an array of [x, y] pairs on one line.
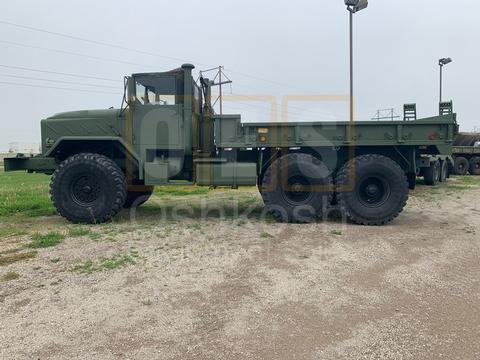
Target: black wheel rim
{"points": [[373, 191], [297, 191], [85, 189]]}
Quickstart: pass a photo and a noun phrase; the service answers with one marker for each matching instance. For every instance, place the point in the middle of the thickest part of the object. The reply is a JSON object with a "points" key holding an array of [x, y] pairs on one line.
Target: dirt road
{"points": [[230, 288]]}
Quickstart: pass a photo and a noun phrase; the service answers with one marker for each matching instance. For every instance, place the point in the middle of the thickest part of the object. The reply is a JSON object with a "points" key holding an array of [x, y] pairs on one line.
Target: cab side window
{"points": [[155, 90]]}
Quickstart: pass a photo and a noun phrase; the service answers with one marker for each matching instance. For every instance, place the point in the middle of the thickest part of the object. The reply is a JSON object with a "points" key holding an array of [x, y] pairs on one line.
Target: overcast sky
{"points": [[268, 47]]}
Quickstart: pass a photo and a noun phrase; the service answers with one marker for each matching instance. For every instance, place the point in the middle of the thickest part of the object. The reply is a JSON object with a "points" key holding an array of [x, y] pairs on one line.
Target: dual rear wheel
{"points": [[370, 189], [438, 172]]}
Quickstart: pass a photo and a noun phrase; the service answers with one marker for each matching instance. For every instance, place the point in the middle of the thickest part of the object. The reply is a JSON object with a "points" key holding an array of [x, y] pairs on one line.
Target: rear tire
{"points": [[380, 190], [432, 174], [461, 166], [138, 197], [88, 188], [443, 171], [475, 165], [297, 188]]}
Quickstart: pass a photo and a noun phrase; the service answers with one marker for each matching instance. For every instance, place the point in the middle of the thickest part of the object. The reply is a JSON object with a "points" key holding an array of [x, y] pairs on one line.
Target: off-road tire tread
{"points": [[115, 172], [457, 162], [342, 178], [267, 178], [472, 169]]}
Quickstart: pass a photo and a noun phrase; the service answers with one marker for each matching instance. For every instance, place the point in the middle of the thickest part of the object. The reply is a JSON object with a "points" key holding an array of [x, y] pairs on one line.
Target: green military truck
{"points": [[167, 134], [466, 154]]}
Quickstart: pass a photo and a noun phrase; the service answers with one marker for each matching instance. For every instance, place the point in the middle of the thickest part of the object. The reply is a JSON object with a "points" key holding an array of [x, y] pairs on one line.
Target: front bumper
{"points": [[30, 163]]}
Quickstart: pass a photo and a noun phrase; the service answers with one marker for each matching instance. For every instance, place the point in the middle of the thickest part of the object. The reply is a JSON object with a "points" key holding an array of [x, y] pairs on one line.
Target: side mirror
{"points": [[130, 90]]}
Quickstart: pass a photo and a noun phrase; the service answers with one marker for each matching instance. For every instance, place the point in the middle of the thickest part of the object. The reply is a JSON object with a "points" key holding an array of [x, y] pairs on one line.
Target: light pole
{"points": [[442, 63], [353, 6]]}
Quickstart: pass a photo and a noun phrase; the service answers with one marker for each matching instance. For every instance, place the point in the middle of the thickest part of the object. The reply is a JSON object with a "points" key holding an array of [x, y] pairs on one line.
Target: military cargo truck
{"points": [[466, 154], [167, 134]]}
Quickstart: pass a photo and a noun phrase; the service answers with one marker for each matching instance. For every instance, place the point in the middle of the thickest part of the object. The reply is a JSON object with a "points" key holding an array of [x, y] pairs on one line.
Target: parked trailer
{"points": [[466, 154], [168, 134]]}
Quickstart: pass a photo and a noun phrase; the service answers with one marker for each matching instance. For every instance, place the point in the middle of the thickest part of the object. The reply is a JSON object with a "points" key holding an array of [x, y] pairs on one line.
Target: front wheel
{"points": [[372, 189], [88, 188]]}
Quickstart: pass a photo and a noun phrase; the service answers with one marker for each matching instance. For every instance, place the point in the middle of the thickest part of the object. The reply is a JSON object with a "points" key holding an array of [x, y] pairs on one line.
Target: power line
{"points": [[58, 81], [125, 48], [96, 42], [72, 53], [57, 73], [55, 87]]}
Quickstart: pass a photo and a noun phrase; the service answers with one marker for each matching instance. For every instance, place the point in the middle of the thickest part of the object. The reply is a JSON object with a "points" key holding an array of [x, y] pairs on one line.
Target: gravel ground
{"points": [[230, 288]]}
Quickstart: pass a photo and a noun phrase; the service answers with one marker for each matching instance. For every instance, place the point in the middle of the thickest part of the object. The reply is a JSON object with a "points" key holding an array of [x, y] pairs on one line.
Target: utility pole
{"points": [[353, 6], [219, 76], [442, 63]]}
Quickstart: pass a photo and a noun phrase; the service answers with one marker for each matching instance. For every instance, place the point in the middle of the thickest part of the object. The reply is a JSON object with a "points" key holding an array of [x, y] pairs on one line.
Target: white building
{"points": [[24, 148]]}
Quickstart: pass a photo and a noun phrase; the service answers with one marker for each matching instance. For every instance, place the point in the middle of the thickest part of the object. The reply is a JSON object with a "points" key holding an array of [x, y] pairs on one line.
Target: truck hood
{"points": [[103, 113], [82, 125]]}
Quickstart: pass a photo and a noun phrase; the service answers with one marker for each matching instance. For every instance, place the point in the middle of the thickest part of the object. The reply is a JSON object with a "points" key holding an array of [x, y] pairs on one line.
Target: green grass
{"points": [[336, 232], [11, 275], [24, 195], [168, 191], [105, 263], [78, 231], [16, 257], [11, 231], [46, 240]]}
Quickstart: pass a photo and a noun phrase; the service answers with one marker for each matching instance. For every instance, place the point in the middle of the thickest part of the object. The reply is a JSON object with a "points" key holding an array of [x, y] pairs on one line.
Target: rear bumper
{"points": [[31, 164]]}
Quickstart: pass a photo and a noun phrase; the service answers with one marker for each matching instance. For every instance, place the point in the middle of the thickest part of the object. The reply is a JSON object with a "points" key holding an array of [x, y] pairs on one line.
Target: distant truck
{"points": [[466, 154], [168, 134]]}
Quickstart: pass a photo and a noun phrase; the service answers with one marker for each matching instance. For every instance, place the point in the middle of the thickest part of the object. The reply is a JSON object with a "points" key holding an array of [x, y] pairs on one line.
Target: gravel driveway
{"points": [[231, 288]]}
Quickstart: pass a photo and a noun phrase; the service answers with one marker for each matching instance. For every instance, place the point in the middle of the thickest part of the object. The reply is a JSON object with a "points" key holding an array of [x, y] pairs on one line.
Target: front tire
{"points": [[380, 189], [88, 188]]}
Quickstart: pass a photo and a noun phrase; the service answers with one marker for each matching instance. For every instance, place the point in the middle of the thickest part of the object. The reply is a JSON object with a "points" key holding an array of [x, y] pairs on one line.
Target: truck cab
{"points": [[163, 114]]}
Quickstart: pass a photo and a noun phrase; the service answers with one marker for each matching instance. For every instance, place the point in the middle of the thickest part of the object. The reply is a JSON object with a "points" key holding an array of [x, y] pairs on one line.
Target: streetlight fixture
{"points": [[442, 63], [353, 6]]}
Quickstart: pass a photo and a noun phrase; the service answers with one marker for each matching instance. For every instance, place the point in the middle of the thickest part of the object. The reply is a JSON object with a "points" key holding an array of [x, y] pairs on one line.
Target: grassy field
{"points": [[26, 196]]}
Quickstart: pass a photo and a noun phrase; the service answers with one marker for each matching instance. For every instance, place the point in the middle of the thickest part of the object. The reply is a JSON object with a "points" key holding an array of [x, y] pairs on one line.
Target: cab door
{"points": [[158, 120]]}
